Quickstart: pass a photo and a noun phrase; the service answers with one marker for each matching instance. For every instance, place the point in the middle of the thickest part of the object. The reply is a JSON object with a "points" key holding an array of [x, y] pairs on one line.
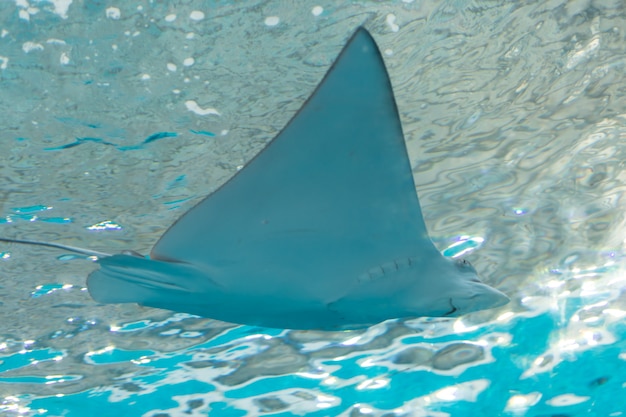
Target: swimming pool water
{"points": [[118, 116]]}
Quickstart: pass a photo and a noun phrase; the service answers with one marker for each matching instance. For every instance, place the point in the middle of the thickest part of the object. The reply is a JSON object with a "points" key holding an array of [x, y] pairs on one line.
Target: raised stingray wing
{"points": [[331, 196]]}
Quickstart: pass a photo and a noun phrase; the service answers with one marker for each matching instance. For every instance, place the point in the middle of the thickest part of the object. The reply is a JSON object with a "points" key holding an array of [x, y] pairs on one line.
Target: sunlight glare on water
{"points": [[118, 117]]}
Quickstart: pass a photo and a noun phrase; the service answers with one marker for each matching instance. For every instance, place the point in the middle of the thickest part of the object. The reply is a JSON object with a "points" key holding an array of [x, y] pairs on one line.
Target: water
{"points": [[118, 117]]}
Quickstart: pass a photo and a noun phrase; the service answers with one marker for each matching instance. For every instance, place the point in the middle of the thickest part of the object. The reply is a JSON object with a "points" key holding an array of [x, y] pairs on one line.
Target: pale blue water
{"points": [[116, 117]]}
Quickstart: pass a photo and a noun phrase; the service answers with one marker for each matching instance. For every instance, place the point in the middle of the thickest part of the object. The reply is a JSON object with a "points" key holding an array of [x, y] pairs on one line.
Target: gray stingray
{"points": [[321, 230]]}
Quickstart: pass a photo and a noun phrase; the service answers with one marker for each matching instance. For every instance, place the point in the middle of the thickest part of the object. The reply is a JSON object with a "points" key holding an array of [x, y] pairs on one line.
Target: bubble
{"points": [[272, 20], [196, 15], [391, 22], [113, 13]]}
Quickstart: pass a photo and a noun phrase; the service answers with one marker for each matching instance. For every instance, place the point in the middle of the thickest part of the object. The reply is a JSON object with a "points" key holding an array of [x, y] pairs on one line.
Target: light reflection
{"points": [[325, 398], [460, 327], [45, 289], [258, 336], [55, 379], [567, 345], [592, 338], [465, 391], [566, 400], [522, 402], [589, 286], [373, 384], [149, 324], [481, 342], [367, 363], [11, 404], [591, 320], [333, 380], [310, 375], [101, 351], [325, 401], [505, 316], [596, 305], [447, 394], [141, 361], [352, 341], [554, 284], [252, 337], [170, 332], [105, 225]]}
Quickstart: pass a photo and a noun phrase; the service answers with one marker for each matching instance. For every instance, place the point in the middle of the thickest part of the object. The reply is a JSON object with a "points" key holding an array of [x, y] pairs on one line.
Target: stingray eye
{"points": [[464, 264]]}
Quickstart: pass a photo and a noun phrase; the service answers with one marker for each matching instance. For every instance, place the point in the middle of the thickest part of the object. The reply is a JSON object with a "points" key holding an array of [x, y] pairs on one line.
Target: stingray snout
{"points": [[488, 297]]}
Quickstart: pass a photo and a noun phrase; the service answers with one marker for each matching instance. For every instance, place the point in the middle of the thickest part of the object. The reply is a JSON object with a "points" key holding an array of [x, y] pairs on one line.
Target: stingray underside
{"points": [[329, 198]]}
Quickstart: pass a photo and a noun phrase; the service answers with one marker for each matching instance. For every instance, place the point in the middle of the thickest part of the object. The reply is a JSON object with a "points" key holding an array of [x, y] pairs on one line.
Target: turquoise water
{"points": [[118, 117]]}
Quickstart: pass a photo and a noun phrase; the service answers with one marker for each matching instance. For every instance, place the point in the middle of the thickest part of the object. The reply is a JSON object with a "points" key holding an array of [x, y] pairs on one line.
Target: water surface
{"points": [[117, 117]]}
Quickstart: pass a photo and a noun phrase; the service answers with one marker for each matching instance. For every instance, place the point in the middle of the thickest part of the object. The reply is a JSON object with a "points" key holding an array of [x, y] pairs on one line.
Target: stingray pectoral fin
{"points": [[130, 279], [332, 194]]}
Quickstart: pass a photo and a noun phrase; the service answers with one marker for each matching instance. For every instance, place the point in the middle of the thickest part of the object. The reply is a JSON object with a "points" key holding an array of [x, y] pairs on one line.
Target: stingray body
{"points": [[321, 230]]}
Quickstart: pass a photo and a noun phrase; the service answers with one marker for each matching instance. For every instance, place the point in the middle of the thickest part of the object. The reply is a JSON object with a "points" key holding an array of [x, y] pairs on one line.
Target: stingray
{"points": [[321, 230]]}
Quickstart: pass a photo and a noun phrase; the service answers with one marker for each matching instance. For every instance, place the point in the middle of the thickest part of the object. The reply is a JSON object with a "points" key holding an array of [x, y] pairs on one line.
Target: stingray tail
{"points": [[74, 249], [129, 279]]}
